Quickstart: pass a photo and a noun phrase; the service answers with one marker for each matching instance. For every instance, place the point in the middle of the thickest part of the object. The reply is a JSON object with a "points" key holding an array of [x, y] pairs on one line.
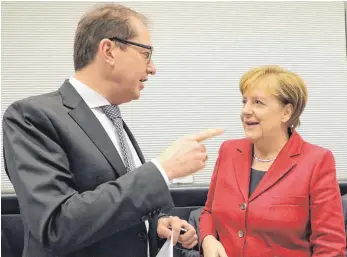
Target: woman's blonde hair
{"points": [[287, 86]]}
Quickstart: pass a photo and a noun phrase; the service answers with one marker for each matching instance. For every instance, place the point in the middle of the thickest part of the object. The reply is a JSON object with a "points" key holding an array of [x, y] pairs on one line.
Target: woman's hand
{"points": [[212, 247]]}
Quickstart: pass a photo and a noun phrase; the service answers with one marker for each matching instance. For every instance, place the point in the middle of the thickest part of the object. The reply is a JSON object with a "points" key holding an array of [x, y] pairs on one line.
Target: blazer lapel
{"points": [[278, 169], [85, 118], [281, 166], [152, 228], [242, 166], [134, 142]]}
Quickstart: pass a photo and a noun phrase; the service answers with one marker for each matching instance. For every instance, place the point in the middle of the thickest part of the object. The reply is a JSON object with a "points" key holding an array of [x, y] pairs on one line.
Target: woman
{"points": [[272, 193]]}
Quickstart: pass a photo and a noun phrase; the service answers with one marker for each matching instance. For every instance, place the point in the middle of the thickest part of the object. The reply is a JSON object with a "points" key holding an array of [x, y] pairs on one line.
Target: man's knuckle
{"points": [[175, 218]]}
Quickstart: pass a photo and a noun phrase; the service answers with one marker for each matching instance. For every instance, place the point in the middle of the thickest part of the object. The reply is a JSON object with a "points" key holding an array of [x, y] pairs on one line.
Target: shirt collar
{"points": [[92, 98]]}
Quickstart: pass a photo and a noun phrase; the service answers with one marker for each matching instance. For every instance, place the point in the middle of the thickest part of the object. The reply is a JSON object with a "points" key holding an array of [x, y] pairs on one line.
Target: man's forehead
{"points": [[143, 39], [142, 32]]}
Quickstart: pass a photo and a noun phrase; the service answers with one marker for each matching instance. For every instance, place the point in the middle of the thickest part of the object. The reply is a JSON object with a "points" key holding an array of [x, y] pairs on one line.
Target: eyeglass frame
{"points": [[135, 44]]}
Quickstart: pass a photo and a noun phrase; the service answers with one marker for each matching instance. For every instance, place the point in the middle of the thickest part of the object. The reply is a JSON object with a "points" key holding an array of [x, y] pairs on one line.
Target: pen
{"points": [[182, 230]]}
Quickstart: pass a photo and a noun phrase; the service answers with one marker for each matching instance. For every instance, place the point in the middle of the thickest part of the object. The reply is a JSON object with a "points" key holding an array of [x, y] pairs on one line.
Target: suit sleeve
{"points": [[60, 217], [206, 225], [327, 223]]}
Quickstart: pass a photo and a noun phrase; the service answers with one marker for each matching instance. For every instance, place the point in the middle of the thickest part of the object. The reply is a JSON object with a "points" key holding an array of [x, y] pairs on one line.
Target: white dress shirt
{"points": [[94, 100]]}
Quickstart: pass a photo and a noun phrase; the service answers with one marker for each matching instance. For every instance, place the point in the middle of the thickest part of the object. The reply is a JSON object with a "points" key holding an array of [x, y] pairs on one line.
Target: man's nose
{"points": [[151, 68]]}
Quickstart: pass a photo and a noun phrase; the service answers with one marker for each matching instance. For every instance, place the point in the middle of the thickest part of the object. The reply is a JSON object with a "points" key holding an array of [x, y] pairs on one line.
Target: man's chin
{"points": [[137, 95]]}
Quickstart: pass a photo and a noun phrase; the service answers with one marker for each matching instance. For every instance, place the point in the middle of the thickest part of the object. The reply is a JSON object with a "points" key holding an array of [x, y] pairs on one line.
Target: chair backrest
{"points": [[12, 235], [185, 199]]}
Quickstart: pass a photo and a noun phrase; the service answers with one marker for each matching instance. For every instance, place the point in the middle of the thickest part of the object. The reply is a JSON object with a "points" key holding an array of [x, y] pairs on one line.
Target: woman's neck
{"points": [[268, 148]]}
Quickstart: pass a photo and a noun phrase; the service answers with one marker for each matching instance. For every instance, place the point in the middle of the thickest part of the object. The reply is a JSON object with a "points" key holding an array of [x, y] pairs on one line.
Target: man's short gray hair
{"points": [[105, 21]]}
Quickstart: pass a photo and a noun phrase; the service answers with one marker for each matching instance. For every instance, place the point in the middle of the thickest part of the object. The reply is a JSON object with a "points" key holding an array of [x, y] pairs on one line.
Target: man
{"points": [[193, 219], [83, 186]]}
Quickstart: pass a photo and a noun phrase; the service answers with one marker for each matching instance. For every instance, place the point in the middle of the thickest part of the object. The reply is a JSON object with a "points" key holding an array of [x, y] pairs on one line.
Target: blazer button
{"points": [[142, 236], [243, 206], [241, 233]]}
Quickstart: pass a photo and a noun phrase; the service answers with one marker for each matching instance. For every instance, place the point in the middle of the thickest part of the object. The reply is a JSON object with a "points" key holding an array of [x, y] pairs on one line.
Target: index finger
{"points": [[175, 227], [189, 234], [207, 133]]}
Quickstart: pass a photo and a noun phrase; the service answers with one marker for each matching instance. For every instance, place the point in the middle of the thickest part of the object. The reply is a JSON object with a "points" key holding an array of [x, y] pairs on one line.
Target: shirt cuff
{"points": [[160, 168]]}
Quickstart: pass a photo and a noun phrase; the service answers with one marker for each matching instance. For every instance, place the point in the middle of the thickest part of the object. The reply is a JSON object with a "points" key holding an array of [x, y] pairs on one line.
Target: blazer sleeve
{"points": [[62, 219], [206, 225], [327, 222]]}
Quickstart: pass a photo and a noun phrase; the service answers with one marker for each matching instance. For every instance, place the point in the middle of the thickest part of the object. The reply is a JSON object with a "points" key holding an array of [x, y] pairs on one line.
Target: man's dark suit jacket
{"points": [[194, 221], [74, 194]]}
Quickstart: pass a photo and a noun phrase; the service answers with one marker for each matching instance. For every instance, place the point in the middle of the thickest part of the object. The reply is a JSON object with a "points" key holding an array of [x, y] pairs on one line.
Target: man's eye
{"points": [[146, 54]]}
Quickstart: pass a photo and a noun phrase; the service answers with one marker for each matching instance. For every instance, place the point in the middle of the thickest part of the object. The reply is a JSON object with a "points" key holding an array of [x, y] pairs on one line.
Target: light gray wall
{"points": [[201, 51]]}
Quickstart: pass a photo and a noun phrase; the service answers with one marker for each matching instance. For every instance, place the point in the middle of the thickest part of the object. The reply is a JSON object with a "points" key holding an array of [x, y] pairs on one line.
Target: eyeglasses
{"points": [[148, 55]]}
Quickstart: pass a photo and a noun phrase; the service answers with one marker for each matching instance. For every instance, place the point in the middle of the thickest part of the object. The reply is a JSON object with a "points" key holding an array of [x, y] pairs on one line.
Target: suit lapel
{"points": [[134, 142], [152, 228], [242, 166], [152, 223], [85, 118], [281, 166]]}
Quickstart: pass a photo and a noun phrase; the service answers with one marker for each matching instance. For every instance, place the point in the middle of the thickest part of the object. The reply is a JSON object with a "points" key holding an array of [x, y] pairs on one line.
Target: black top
{"points": [[256, 176]]}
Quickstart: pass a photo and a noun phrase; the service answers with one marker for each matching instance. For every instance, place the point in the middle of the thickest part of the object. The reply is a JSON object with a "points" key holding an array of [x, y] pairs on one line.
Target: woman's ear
{"points": [[287, 113]]}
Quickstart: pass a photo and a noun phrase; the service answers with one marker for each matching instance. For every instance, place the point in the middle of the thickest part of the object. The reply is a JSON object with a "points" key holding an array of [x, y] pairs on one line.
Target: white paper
{"points": [[167, 249]]}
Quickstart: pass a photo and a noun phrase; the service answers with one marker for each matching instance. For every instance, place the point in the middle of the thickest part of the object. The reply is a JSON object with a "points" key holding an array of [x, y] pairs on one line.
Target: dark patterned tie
{"points": [[113, 113]]}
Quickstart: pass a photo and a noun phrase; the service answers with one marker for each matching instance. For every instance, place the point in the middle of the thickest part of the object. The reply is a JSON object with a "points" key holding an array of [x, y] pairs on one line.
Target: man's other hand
{"points": [[166, 225]]}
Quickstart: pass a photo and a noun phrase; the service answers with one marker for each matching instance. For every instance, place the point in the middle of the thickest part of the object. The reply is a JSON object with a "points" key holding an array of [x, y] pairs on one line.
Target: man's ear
{"points": [[108, 51], [287, 113]]}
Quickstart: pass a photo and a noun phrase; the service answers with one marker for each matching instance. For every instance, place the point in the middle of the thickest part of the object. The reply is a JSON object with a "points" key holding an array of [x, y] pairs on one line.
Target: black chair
{"points": [[12, 233]]}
